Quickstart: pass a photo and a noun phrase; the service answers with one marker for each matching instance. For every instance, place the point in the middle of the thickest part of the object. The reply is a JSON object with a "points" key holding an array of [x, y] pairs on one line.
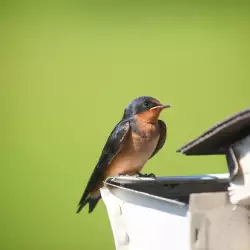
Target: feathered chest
{"points": [[144, 136], [137, 148]]}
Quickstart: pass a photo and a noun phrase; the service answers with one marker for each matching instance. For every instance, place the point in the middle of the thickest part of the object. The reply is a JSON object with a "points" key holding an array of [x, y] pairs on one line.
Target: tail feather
{"points": [[81, 205], [92, 203]]}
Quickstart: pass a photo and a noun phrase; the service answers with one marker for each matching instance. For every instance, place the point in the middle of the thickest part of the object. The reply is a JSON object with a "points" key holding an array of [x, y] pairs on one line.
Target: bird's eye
{"points": [[146, 103]]}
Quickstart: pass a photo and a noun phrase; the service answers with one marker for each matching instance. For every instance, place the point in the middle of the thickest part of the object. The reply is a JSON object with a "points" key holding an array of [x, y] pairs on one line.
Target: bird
{"points": [[135, 139]]}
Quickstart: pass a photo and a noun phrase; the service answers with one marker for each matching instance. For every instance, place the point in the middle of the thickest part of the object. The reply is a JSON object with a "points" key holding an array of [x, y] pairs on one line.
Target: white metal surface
{"points": [[145, 222], [239, 190], [141, 221]]}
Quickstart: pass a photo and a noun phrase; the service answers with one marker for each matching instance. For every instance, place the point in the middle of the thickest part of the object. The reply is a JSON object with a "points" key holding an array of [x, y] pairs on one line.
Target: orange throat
{"points": [[150, 116]]}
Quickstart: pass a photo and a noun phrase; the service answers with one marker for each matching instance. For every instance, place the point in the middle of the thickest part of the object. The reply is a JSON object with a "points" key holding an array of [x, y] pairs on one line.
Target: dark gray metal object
{"points": [[220, 139], [177, 188]]}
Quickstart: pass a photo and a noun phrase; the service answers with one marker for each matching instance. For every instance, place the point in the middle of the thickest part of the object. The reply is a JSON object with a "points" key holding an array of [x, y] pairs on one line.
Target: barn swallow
{"points": [[133, 141]]}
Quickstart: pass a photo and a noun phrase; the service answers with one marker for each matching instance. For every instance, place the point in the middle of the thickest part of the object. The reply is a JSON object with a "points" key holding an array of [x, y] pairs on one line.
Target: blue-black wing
{"points": [[163, 136], [111, 149]]}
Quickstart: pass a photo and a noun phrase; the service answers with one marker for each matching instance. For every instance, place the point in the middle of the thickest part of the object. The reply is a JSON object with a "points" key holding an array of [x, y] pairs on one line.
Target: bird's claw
{"points": [[147, 175]]}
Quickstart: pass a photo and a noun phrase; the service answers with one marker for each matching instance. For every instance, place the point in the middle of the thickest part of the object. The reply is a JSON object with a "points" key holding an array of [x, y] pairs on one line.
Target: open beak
{"points": [[161, 106]]}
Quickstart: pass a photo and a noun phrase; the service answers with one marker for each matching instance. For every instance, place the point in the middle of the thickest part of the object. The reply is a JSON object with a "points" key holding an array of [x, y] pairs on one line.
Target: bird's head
{"points": [[146, 108]]}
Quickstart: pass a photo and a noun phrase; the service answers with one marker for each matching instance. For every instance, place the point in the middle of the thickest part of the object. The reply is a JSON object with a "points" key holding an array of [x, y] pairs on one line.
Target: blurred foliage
{"points": [[69, 68]]}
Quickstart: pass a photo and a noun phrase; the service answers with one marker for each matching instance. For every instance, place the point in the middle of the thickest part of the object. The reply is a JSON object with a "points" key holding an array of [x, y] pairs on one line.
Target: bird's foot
{"points": [[147, 175]]}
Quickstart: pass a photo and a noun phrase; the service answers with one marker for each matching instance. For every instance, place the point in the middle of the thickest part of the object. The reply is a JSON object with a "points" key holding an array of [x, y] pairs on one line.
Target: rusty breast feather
{"points": [[138, 147]]}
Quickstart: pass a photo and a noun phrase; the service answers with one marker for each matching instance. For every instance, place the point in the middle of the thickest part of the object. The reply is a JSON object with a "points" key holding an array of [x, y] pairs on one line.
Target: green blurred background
{"points": [[69, 68]]}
